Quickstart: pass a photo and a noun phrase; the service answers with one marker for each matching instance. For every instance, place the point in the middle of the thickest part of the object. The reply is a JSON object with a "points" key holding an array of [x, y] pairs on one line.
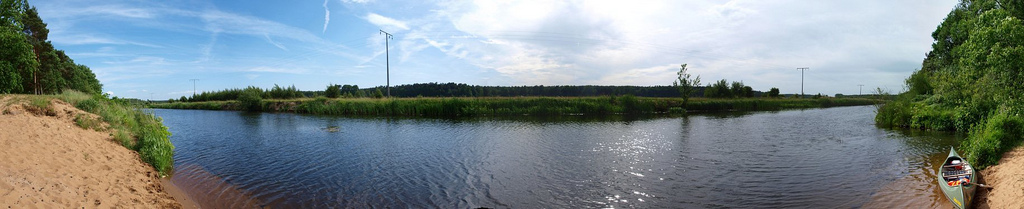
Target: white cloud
{"points": [[327, 16], [113, 10], [265, 69], [229, 23], [386, 22], [357, 1], [640, 76], [86, 39], [271, 41]]}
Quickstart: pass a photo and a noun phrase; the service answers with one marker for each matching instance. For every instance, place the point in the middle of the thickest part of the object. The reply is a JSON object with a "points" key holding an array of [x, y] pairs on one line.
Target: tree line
{"points": [[29, 64], [972, 81], [718, 90]]}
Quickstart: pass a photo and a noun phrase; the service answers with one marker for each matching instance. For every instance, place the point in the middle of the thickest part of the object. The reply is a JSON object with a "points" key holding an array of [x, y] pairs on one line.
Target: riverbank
{"points": [[500, 106], [50, 161], [1007, 181]]}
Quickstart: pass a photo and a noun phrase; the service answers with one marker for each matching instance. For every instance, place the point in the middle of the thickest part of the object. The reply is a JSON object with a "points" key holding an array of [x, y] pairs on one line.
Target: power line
{"points": [[194, 86], [861, 90], [802, 69], [387, 59]]}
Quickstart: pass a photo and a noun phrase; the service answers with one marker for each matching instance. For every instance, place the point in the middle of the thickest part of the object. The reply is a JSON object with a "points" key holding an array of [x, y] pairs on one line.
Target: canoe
{"points": [[956, 180]]}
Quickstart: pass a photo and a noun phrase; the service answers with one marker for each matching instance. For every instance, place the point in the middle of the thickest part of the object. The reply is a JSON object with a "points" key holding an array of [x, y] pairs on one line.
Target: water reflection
{"points": [[804, 158]]}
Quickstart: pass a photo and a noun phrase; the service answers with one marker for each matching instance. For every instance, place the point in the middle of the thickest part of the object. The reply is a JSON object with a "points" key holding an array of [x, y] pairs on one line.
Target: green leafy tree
{"points": [[16, 60], [718, 89], [11, 14], [685, 84], [377, 94], [736, 88], [333, 91], [251, 99], [774, 92]]}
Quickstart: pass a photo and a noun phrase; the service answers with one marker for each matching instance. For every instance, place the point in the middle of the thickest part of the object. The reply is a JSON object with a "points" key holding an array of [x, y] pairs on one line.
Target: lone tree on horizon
{"points": [[685, 84]]}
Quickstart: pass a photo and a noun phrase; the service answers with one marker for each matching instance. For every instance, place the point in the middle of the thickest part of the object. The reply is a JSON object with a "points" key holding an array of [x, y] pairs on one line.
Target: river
{"points": [[810, 158]]}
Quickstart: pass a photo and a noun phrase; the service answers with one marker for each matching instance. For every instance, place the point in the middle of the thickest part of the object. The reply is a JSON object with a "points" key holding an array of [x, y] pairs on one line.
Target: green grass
{"points": [[132, 127], [87, 122], [503, 106]]}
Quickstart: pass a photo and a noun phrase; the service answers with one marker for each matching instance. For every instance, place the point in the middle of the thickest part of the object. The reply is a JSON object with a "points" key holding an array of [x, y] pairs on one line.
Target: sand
{"points": [[1007, 181], [46, 161]]}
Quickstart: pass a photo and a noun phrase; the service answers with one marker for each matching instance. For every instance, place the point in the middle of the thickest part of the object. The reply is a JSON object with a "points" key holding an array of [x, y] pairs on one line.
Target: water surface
{"points": [[817, 158]]}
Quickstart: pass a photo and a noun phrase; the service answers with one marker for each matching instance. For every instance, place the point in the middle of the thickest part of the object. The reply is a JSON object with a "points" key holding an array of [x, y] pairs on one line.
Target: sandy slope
{"points": [[1007, 181], [46, 161]]}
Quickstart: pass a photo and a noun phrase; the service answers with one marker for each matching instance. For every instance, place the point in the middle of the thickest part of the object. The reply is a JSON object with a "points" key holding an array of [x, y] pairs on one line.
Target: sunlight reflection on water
{"points": [[799, 158]]}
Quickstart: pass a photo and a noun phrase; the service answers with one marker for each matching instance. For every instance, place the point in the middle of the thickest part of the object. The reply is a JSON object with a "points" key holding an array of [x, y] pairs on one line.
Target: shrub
{"points": [[89, 105], [377, 94], [774, 92], [250, 99], [124, 138], [87, 122], [333, 91], [988, 141]]}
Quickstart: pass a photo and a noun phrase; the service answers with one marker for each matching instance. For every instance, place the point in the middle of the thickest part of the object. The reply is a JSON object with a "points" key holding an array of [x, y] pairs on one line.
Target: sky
{"points": [[153, 49]]}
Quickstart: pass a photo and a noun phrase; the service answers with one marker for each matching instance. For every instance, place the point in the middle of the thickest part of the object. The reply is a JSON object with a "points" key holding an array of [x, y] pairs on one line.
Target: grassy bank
{"points": [[127, 124], [991, 131], [497, 106]]}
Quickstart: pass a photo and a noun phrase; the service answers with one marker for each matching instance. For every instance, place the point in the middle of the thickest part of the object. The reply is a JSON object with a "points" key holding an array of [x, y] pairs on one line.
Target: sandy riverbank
{"points": [[1007, 181], [46, 161]]}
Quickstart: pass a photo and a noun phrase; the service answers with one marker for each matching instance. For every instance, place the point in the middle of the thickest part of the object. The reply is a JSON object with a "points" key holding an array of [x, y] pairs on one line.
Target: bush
{"points": [[988, 141], [89, 105], [124, 138], [333, 91], [250, 99], [87, 122]]}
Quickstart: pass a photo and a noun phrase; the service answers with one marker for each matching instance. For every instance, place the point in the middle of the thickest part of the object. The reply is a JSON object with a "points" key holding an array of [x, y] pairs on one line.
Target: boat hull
{"points": [[957, 180]]}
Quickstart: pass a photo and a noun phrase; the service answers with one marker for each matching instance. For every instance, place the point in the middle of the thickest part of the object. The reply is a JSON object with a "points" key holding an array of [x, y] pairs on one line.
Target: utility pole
{"points": [[194, 86], [861, 90], [802, 69], [387, 59]]}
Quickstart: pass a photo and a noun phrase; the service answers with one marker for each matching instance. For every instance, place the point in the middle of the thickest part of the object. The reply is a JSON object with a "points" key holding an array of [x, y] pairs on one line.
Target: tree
{"points": [[719, 89], [377, 94], [737, 89], [251, 99], [685, 84], [10, 14], [349, 89], [42, 79], [748, 91], [774, 92], [16, 59], [333, 91]]}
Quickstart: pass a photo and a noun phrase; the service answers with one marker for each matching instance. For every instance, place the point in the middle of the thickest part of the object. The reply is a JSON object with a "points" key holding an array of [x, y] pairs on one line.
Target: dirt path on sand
{"points": [[46, 161]]}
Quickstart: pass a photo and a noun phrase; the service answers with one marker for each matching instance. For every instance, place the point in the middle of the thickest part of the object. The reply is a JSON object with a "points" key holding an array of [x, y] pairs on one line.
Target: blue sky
{"points": [[150, 49]]}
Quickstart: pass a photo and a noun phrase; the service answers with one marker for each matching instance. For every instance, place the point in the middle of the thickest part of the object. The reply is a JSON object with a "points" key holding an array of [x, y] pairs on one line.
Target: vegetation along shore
{"points": [[61, 133], [58, 156], [499, 106], [972, 81]]}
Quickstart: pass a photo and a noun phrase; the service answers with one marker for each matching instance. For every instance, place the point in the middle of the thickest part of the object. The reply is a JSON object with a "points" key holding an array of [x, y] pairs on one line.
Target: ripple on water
{"points": [[800, 158]]}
